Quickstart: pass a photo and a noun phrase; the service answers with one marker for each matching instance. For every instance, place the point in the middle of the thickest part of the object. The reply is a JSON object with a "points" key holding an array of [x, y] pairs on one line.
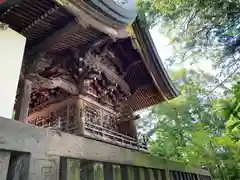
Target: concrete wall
{"points": [[46, 146]]}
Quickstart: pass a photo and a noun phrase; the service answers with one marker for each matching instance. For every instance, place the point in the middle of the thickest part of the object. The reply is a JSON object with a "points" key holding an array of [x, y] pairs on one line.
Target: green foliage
{"points": [[196, 130], [201, 127], [198, 30]]}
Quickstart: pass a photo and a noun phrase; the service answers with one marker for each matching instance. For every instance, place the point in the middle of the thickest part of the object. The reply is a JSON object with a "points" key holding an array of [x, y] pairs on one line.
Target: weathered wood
{"points": [[24, 101], [73, 169], [4, 163], [55, 38], [63, 169], [41, 82], [124, 172], [98, 171], [136, 173], [108, 171], [51, 107], [129, 118], [146, 174], [151, 175], [96, 63], [87, 99], [141, 174], [130, 173], [117, 172]]}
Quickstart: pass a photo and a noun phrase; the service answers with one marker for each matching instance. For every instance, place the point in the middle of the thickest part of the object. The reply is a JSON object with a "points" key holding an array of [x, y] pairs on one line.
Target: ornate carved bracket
{"points": [[41, 82], [94, 62]]}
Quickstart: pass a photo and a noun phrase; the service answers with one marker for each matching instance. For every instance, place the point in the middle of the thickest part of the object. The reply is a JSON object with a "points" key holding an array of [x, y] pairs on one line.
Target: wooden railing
{"points": [[103, 134]]}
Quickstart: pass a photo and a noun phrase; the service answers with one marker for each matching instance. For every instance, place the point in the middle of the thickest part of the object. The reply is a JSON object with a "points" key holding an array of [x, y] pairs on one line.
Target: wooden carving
{"points": [[92, 113]]}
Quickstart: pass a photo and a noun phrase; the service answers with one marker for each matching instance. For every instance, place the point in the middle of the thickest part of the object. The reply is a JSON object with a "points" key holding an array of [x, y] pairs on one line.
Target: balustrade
{"points": [[93, 121], [98, 132]]}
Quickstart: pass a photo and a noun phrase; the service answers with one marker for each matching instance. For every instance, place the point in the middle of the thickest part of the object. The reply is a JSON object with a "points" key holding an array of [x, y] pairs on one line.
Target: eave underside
{"points": [[55, 36]]}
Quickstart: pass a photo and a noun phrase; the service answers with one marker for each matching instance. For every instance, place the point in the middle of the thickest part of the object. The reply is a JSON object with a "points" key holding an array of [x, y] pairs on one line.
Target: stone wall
{"points": [[41, 152]]}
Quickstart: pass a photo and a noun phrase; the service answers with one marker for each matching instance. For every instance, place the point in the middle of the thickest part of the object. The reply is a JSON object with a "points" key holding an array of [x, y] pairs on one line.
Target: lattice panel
{"points": [[109, 120], [61, 118], [72, 121], [92, 113]]}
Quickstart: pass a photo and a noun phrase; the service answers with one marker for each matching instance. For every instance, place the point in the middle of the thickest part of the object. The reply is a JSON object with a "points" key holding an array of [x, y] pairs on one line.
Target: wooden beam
{"points": [[42, 82], [52, 40], [23, 106], [94, 62], [130, 118]]}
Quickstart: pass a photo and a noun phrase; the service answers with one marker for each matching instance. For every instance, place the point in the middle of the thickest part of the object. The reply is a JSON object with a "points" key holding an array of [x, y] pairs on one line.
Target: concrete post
{"points": [[4, 163]]}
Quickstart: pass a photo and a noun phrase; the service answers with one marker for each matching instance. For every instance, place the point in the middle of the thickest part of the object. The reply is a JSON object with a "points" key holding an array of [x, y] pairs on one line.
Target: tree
{"points": [[199, 30], [191, 129]]}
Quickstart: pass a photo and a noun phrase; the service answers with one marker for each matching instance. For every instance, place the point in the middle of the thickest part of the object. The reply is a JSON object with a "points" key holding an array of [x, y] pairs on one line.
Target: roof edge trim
{"points": [[153, 60]]}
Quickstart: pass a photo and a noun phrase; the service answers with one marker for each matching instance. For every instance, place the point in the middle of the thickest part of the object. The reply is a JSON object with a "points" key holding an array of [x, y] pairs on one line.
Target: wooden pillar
{"points": [[23, 104], [108, 171], [124, 172], [117, 172], [80, 117]]}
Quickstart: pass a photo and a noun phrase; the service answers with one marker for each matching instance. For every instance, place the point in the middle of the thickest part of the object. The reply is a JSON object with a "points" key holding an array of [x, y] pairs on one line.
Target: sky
{"points": [[165, 50]]}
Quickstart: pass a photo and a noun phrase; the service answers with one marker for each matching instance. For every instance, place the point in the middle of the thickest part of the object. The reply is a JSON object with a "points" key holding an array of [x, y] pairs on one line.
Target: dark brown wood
{"points": [[146, 174], [128, 118], [124, 172], [24, 100], [95, 62], [136, 173], [49, 42], [63, 169], [108, 171]]}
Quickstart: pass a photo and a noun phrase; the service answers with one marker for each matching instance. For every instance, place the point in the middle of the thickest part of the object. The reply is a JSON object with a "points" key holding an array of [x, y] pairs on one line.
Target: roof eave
{"points": [[153, 62]]}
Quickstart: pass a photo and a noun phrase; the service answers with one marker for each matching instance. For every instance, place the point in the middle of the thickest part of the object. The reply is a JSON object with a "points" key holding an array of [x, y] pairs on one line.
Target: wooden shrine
{"points": [[87, 67], [82, 72]]}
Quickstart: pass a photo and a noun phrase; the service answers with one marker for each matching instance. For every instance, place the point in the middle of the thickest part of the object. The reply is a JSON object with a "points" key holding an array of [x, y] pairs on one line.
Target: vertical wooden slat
{"points": [[98, 171], [146, 174], [163, 174], [176, 175], [188, 176], [4, 163], [73, 170], [141, 174], [87, 171], [151, 176], [157, 174], [171, 175], [184, 176], [168, 174], [108, 171], [116, 172], [130, 173], [192, 177], [124, 172], [136, 173], [63, 169], [196, 177]]}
